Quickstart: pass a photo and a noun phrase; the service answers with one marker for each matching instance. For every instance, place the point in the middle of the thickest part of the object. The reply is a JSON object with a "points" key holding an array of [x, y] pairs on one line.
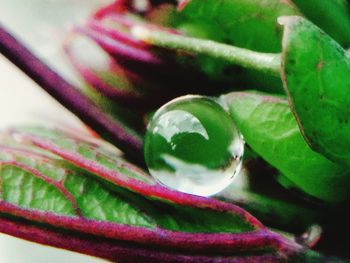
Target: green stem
{"points": [[269, 63]]}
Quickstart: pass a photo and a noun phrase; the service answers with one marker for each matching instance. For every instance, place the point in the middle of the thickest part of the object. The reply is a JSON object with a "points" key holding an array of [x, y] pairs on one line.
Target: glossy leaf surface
{"points": [[248, 24], [269, 127], [316, 72], [244, 23]]}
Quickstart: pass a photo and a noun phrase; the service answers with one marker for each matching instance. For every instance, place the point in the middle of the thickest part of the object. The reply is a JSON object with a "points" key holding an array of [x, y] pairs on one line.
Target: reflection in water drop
{"points": [[193, 146], [177, 121]]}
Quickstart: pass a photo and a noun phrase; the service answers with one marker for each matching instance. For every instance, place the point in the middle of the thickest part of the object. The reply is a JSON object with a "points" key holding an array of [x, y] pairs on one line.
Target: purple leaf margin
{"points": [[69, 96]]}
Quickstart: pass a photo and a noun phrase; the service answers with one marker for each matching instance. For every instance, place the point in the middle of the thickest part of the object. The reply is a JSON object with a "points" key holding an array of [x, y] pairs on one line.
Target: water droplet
{"points": [[193, 146]]}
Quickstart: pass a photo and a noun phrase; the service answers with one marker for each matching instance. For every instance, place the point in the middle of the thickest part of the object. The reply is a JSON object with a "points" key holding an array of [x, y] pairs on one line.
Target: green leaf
{"points": [[60, 185], [38, 182], [332, 16], [316, 74], [243, 23], [270, 129], [97, 197], [248, 24]]}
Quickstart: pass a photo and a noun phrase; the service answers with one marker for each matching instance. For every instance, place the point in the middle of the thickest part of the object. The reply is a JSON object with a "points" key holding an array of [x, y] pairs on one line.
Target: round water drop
{"points": [[193, 146]]}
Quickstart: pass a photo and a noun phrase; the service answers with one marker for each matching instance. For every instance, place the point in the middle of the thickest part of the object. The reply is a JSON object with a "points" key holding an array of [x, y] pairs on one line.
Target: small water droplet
{"points": [[193, 146]]}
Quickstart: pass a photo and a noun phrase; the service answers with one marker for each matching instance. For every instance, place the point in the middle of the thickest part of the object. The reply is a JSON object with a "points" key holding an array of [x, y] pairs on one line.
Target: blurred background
{"points": [[41, 25]]}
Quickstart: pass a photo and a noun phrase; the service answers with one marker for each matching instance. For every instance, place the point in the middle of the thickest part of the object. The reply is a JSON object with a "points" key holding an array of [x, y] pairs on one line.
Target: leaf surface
{"points": [[244, 23], [249, 24], [269, 127], [90, 190], [316, 75], [332, 16]]}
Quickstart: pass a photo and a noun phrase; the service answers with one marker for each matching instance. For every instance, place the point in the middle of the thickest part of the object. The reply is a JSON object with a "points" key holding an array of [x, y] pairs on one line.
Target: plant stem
{"points": [[70, 97], [268, 63]]}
